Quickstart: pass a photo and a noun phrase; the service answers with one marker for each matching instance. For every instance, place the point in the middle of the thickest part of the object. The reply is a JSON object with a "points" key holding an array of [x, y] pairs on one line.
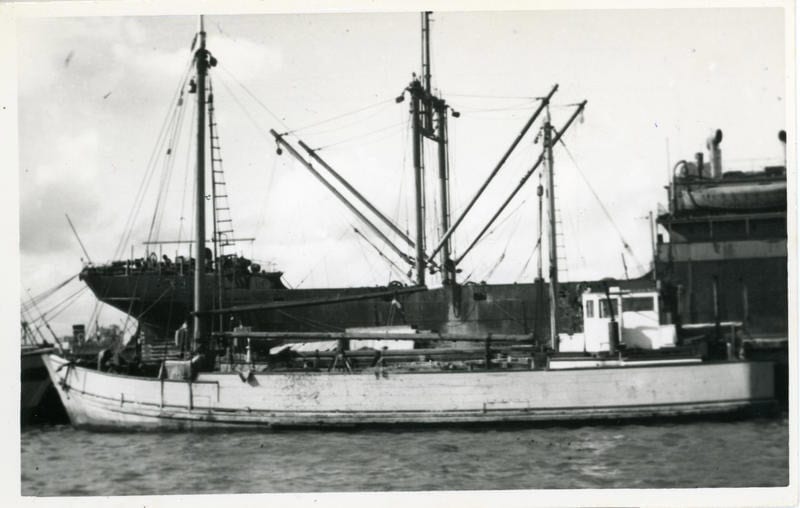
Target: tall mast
{"points": [[433, 105], [539, 260], [419, 203], [423, 108], [551, 216], [539, 264], [448, 268], [426, 70], [201, 62]]}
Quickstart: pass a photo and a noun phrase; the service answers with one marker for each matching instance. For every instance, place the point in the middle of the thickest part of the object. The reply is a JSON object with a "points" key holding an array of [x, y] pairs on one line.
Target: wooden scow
{"points": [[321, 399]]}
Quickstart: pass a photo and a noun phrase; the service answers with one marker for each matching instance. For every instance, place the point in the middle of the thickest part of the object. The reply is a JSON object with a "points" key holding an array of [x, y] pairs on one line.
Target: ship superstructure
{"points": [[725, 255]]}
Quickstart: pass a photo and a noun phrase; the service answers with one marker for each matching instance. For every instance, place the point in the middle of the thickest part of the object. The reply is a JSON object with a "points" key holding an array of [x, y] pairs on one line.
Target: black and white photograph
{"points": [[515, 254]]}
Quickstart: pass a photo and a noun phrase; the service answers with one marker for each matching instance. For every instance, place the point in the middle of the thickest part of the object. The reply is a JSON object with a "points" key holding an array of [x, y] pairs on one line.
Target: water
{"points": [[62, 461]]}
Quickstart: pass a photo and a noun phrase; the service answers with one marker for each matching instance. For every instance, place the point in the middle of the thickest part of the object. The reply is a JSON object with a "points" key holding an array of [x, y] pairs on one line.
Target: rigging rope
{"points": [[54, 312], [320, 261], [508, 242], [337, 117], [518, 107], [144, 184], [166, 174], [603, 207], [360, 136], [262, 210], [259, 128], [26, 305], [150, 168], [251, 94], [392, 264], [527, 261], [403, 170], [503, 97], [187, 172]]}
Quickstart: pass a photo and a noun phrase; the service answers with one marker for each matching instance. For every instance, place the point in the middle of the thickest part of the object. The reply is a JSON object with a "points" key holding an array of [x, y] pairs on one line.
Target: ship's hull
{"points": [[38, 402], [164, 302], [101, 400]]}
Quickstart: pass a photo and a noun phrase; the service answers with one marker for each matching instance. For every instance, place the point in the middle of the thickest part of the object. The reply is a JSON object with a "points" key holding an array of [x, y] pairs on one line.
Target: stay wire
{"points": [[166, 174], [54, 311], [255, 98], [261, 130], [36, 299], [360, 136], [603, 207], [187, 172], [338, 128], [144, 183], [340, 116]]}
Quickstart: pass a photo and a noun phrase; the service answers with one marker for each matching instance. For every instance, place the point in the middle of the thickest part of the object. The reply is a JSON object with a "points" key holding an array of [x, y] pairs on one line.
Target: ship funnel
{"points": [[715, 154], [701, 170]]}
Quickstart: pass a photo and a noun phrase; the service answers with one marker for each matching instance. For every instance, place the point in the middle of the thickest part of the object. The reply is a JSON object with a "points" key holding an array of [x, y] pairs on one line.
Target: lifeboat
{"points": [[734, 196]]}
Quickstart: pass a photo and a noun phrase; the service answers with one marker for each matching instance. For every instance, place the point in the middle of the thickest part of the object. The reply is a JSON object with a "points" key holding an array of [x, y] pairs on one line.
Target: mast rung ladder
{"points": [[223, 226]]}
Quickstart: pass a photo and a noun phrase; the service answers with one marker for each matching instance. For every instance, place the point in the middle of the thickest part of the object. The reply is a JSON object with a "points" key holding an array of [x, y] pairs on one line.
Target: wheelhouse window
{"points": [[590, 309], [638, 304], [604, 308]]}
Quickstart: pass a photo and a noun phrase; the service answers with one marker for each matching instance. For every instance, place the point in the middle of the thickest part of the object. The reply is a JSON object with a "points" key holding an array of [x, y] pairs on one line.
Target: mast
{"points": [[201, 63], [449, 232], [416, 91], [427, 110], [448, 268], [539, 263], [424, 105], [551, 216], [433, 105]]}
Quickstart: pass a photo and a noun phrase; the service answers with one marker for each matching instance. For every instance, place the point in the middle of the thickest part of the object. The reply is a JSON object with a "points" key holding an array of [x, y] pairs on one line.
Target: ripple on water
{"points": [[65, 461]]}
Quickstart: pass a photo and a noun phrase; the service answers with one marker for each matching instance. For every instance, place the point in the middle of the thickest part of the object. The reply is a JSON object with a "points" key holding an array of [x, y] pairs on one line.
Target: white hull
{"points": [[304, 399]]}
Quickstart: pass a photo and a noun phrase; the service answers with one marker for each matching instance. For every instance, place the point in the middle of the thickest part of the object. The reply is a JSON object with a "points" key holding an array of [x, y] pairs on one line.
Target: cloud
{"points": [[245, 59], [64, 184]]}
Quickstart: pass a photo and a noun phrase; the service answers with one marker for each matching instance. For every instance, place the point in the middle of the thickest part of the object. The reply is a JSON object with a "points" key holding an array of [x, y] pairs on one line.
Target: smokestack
{"points": [[715, 154], [78, 334], [698, 157], [782, 138]]}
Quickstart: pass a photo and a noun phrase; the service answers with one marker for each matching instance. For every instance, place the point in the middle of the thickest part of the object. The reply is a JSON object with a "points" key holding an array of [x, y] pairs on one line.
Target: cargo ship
{"points": [[465, 372], [722, 254], [725, 252]]}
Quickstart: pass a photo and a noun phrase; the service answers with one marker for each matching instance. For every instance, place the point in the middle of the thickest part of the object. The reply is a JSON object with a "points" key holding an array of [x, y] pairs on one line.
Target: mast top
{"points": [[202, 33]]}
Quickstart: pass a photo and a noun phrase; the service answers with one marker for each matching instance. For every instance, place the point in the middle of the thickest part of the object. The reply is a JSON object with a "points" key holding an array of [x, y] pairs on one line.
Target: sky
{"points": [[93, 93]]}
